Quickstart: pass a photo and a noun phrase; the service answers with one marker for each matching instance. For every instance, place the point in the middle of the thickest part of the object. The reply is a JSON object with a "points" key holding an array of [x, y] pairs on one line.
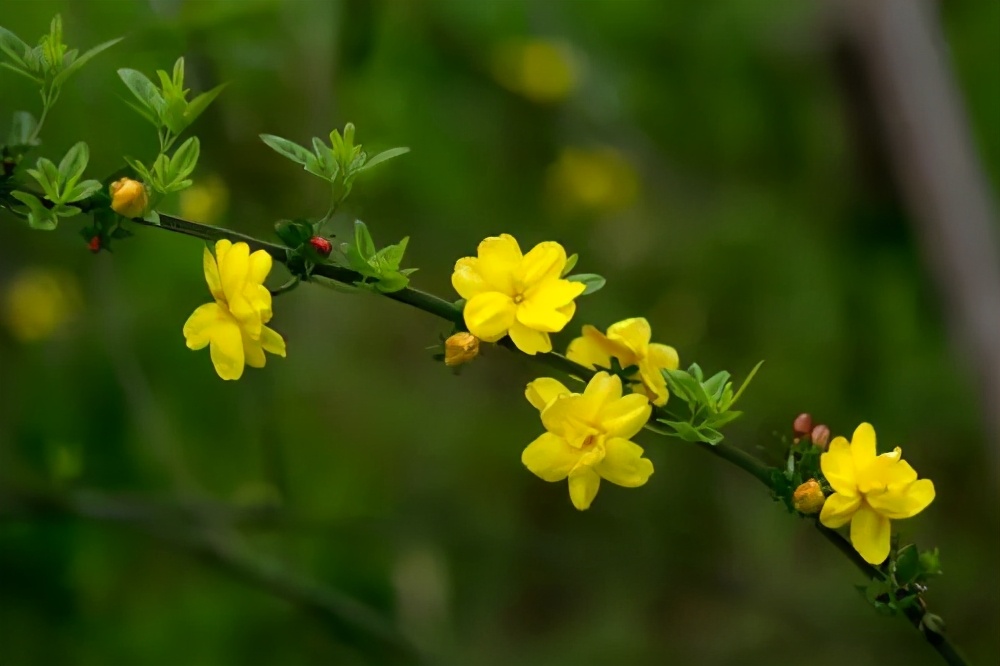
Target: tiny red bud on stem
{"points": [[94, 245], [821, 436], [803, 424]]}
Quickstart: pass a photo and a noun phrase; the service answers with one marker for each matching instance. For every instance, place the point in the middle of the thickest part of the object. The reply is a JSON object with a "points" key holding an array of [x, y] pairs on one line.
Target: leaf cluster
{"points": [[902, 580], [167, 106], [170, 174], [709, 403], [62, 186], [381, 266]]}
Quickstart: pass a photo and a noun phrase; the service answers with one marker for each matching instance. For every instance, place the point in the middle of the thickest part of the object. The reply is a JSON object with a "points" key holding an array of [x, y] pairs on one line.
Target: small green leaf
{"points": [[394, 281], [294, 233], [144, 90], [22, 126], [363, 240], [39, 217], [715, 384], [65, 211], [710, 435], [683, 385], [684, 430], [907, 564], [78, 63], [286, 148], [383, 156], [185, 159], [23, 72], [73, 165], [327, 162], [391, 256], [140, 170], [12, 45], [82, 191], [592, 281], [570, 264], [930, 563], [746, 382], [719, 420], [198, 105]]}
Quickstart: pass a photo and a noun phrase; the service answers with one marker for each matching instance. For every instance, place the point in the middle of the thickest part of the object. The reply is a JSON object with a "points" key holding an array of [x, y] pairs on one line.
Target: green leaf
{"points": [[12, 45], [65, 211], [39, 217], [683, 385], [930, 563], [907, 564], [684, 430], [592, 281], [22, 72], [22, 126], [47, 175], [719, 420], [716, 384], [363, 240], [140, 169], [145, 91], [327, 161], [198, 105], [394, 281], [389, 257], [286, 148], [383, 156], [710, 435], [294, 232], [746, 382], [142, 111], [570, 264], [82, 60], [82, 190], [185, 159], [73, 165]]}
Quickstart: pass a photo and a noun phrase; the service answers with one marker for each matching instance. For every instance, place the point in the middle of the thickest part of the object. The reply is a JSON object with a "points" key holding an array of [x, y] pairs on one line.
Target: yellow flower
{"points": [[234, 324], [520, 295], [870, 491], [38, 302], [628, 341], [460, 348], [128, 197], [587, 436], [808, 498]]}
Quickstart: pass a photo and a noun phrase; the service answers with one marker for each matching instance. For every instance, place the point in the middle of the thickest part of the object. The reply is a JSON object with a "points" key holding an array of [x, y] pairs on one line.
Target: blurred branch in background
{"points": [[909, 89], [207, 530]]}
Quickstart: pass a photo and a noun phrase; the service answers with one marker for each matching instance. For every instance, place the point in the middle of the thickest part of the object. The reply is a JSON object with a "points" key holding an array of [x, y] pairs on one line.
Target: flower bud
{"points": [[321, 245], [460, 348], [808, 498], [94, 244], [803, 424], [821, 436], [129, 198]]}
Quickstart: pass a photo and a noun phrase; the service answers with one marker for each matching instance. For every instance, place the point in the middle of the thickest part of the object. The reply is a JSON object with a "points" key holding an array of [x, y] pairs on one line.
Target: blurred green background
{"points": [[701, 155]]}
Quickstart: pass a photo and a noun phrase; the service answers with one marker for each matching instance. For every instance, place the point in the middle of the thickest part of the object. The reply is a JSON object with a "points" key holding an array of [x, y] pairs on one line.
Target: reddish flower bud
{"points": [[821, 436], [321, 245], [94, 245], [803, 424]]}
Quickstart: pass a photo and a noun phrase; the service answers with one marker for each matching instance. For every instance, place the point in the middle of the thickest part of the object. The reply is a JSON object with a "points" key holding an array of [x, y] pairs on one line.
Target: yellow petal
{"points": [[550, 457], [838, 509], [466, 278], [529, 340], [246, 314], [489, 315], [259, 298], [499, 258], [653, 384], [541, 318], [198, 327], [272, 342], [838, 467], [633, 333], [260, 266], [588, 353], [565, 417], [623, 463], [863, 446], [222, 248], [601, 391], [227, 349], [543, 262], [870, 534], [233, 269], [583, 486], [253, 352], [662, 356], [625, 417], [212, 275], [553, 294], [904, 503], [899, 475], [541, 392]]}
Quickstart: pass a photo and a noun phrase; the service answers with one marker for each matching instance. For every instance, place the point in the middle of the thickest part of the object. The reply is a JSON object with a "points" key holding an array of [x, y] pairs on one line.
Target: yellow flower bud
{"points": [[808, 498], [460, 348], [129, 197]]}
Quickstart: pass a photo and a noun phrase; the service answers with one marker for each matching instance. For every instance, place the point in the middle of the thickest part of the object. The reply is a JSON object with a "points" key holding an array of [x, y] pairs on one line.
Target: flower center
{"points": [[518, 299]]}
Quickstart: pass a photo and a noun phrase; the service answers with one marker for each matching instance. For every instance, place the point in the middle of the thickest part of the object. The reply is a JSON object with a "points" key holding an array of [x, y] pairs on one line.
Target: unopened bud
{"points": [[460, 348], [808, 498], [129, 198], [803, 424], [321, 245], [821, 436], [94, 244]]}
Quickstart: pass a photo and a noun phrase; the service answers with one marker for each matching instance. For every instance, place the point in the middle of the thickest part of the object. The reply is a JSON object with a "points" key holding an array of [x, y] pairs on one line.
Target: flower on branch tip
{"points": [[129, 197], [628, 341], [460, 348], [521, 295], [869, 491], [588, 436], [808, 498], [234, 324]]}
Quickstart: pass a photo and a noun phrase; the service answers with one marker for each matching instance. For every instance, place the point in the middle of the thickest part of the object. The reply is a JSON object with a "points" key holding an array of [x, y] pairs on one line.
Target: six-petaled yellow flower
{"points": [[870, 490], [234, 324], [588, 436], [521, 295], [629, 342]]}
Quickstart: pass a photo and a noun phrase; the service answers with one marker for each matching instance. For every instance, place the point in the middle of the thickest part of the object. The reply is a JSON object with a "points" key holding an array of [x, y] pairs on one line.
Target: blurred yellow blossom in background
{"points": [[597, 180], [206, 201], [541, 70], [39, 301]]}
